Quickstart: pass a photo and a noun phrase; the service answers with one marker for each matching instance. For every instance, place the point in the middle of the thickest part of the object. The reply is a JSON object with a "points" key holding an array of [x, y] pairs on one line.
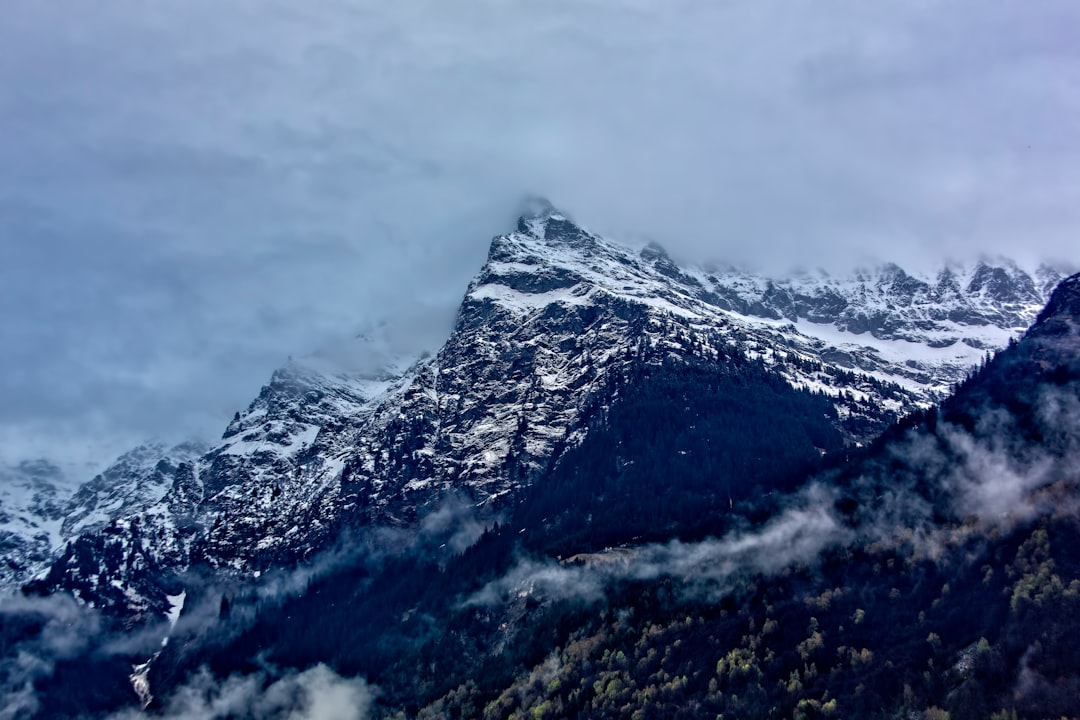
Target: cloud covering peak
{"points": [[191, 192]]}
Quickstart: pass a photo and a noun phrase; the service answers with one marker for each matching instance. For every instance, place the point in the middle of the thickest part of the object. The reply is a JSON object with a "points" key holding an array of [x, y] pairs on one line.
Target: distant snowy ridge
{"points": [[40, 511], [922, 333], [32, 499]]}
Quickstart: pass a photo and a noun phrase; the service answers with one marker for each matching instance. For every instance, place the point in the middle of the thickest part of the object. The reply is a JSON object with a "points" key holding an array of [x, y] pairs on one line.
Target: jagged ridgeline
{"points": [[616, 473]]}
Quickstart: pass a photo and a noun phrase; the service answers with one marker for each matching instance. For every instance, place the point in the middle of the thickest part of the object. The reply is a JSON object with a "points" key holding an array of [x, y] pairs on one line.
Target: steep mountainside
{"points": [[554, 315], [932, 572]]}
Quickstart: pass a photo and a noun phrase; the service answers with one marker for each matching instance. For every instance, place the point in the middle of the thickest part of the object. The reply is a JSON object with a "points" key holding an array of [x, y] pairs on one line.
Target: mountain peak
{"points": [[534, 216], [542, 220], [537, 207]]}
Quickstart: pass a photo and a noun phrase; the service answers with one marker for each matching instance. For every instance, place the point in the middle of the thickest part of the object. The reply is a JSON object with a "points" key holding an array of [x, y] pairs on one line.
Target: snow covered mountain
{"points": [[41, 510], [32, 496], [554, 314], [137, 480]]}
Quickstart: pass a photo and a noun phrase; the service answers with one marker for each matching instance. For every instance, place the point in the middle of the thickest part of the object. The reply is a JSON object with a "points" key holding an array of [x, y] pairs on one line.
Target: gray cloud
{"points": [[46, 630], [317, 693], [798, 535], [995, 471], [66, 630], [191, 192], [454, 524]]}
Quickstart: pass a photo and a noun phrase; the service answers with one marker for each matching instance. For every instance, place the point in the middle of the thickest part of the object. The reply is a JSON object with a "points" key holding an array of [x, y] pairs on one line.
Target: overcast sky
{"points": [[192, 191]]}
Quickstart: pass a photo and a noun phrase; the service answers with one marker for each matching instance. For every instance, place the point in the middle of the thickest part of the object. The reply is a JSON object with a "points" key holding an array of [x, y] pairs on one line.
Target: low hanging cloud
{"points": [[994, 471], [454, 524], [797, 535], [57, 628], [60, 628], [67, 629], [317, 693]]}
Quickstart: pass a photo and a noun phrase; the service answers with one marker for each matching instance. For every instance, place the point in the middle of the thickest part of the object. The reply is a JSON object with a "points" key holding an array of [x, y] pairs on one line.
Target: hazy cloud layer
{"points": [[798, 535], [67, 630], [190, 192], [317, 693]]}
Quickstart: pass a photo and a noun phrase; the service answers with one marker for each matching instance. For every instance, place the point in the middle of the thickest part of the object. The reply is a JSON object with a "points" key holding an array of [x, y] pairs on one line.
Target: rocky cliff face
{"points": [[554, 312]]}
